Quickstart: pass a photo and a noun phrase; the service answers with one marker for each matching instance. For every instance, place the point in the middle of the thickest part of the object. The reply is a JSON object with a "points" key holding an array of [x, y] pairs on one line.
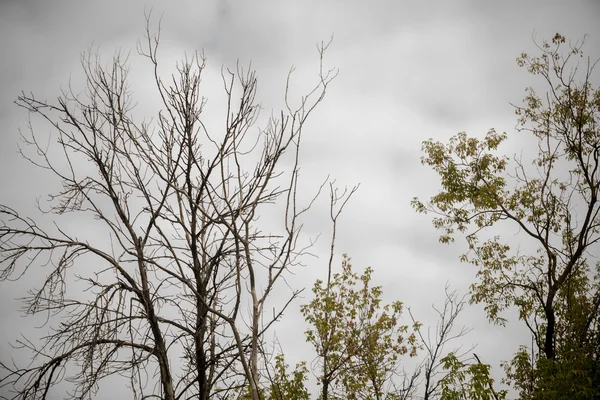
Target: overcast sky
{"points": [[408, 71]]}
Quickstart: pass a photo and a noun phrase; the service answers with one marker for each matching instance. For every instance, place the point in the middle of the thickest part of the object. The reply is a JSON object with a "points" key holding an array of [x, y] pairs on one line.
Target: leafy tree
{"points": [[553, 280], [358, 340], [178, 268], [287, 385], [467, 381]]}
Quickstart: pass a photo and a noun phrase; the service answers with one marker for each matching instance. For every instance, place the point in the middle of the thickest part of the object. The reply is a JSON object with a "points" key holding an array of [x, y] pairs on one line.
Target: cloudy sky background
{"points": [[408, 71]]}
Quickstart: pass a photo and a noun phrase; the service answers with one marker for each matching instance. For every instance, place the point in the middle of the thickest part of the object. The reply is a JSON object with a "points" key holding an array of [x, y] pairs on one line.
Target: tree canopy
{"points": [[553, 202]]}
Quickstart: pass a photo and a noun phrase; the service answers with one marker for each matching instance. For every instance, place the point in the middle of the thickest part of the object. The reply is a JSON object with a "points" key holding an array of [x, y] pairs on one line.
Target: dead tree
{"points": [[178, 268], [430, 371]]}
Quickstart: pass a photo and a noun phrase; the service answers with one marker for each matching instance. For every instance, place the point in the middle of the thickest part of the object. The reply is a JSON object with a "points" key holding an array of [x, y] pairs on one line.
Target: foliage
{"points": [[287, 385], [467, 381], [358, 340], [554, 204]]}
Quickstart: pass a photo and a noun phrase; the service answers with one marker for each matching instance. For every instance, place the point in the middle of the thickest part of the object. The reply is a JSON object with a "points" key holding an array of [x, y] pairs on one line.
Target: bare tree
{"points": [[179, 269], [434, 344]]}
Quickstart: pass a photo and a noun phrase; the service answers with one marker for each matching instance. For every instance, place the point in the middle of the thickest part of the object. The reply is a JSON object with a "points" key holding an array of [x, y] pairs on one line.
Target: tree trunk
{"points": [[551, 327]]}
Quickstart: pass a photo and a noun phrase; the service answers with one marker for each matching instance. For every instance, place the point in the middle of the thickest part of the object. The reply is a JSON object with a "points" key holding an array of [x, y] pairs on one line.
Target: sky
{"points": [[408, 71]]}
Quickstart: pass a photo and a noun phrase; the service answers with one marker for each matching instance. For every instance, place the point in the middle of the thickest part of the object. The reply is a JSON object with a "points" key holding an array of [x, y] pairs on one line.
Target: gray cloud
{"points": [[408, 72]]}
